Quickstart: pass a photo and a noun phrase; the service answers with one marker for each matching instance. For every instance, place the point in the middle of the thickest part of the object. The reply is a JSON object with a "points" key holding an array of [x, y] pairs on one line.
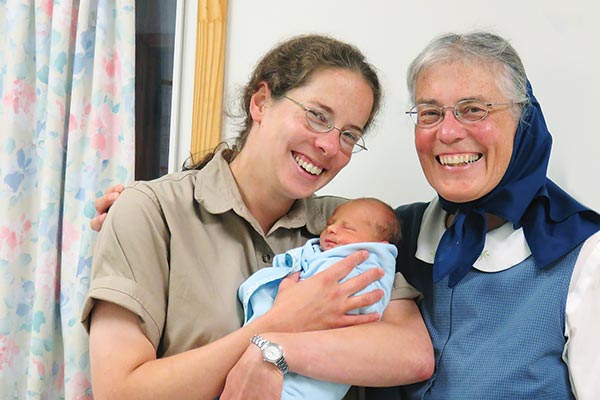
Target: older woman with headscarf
{"points": [[507, 262]]}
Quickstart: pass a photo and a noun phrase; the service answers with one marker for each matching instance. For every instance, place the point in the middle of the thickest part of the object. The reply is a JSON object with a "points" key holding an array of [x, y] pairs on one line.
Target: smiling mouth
{"points": [[454, 160], [308, 167]]}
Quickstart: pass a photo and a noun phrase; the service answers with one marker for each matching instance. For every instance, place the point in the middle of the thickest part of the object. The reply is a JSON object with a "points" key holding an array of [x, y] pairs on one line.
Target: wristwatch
{"points": [[272, 353]]}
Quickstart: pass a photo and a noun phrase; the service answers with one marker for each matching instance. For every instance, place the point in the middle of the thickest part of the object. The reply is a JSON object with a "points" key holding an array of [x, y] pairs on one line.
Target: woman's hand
{"points": [[322, 302], [103, 203], [253, 378]]}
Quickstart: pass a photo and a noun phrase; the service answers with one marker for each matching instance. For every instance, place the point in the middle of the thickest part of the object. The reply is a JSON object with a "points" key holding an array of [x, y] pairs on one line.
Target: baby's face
{"points": [[351, 222]]}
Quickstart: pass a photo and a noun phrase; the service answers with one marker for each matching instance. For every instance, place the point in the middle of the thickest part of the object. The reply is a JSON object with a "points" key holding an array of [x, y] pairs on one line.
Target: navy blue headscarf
{"points": [[553, 222]]}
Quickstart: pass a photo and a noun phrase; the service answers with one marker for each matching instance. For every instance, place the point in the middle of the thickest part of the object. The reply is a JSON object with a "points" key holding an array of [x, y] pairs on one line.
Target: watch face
{"points": [[272, 353]]}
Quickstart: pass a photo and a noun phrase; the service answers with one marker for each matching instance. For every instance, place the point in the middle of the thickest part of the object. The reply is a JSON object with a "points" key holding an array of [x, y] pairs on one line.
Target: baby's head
{"points": [[361, 220]]}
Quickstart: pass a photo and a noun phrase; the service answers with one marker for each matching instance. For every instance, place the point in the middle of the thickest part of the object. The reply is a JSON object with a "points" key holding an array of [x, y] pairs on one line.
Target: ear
{"points": [[259, 101]]}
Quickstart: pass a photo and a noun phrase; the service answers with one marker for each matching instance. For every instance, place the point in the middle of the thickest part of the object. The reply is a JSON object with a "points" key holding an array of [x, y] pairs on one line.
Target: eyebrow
{"points": [[329, 110], [437, 103]]}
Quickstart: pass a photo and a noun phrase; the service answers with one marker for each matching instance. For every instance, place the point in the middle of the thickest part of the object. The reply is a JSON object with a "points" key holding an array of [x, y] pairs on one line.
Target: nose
{"points": [[332, 228], [450, 129], [328, 142]]}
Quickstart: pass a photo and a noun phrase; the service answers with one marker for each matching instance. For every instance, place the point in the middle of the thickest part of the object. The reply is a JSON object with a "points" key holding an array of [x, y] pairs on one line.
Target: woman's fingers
{"points": [[97, 222], [102, 205], [342, 268], [362, 280], [364, 300], [289, 280], [358, 319], [104, 202], [324, 300]]}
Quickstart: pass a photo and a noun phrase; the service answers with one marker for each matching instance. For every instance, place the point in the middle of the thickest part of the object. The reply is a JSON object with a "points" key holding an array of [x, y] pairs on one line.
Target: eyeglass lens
{"points": [[467, 110], [350, 141]]}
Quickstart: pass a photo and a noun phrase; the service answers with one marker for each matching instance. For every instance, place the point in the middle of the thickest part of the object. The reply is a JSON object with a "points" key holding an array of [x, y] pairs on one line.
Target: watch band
{"points": [[262, 344], [259, 341]]}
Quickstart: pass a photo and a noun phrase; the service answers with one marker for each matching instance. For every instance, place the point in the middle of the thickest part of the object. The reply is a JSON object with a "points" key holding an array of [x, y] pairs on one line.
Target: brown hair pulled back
{"points": [[291, 64]]}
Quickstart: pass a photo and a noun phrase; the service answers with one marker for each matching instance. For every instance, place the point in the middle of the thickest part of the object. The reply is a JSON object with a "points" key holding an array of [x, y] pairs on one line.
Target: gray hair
{"points": [[484, 48]]}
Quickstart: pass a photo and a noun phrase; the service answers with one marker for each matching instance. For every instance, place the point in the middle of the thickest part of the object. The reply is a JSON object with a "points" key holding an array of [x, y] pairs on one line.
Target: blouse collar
{"points": [[504, 247]]}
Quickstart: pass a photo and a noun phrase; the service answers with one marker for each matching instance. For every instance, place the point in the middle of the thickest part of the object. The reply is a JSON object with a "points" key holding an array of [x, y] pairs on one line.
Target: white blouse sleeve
{"points": [[582, 322]]}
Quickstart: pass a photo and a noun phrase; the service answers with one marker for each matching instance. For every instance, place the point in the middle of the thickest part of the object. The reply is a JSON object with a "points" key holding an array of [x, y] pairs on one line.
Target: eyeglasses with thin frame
{"points": [[351, 140], [470, 111]]}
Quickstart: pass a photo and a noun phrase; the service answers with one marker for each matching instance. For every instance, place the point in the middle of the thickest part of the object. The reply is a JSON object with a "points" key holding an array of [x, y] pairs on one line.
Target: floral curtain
{"points": [[66, 134]]}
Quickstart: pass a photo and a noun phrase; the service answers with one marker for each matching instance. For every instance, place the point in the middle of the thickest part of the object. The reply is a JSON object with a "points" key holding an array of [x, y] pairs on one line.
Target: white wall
{"points": [[557, 40]]}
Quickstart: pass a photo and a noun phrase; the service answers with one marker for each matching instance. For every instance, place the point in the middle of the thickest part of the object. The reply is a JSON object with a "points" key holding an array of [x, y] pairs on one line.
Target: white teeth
{"points": [[458, 159], [310, 168]]}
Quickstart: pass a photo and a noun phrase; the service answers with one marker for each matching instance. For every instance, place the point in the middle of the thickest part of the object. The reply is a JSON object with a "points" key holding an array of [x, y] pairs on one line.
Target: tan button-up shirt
{"points": [[175, 250]]}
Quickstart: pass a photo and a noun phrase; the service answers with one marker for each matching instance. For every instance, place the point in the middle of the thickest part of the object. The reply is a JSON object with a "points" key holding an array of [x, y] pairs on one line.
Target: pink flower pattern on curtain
{"points": [[66, 133]]}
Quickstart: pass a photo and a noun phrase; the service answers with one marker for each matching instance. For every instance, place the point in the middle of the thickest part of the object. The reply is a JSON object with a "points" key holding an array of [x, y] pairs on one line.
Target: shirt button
{"points": [[267, 257]]}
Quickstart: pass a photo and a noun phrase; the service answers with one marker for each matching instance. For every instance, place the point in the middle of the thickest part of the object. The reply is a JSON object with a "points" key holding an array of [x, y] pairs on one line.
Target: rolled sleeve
{"points": [[130, 263], [403, 290]]}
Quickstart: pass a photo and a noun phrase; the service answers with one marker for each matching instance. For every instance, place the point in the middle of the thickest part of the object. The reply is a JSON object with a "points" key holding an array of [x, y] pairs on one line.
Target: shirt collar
{"points": [[215, 188], [217, 192], [504, 246]]}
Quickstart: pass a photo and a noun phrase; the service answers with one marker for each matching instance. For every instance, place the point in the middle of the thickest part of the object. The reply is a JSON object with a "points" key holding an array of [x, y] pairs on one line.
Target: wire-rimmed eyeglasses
{"points": [[428, 115], [351, 140]]}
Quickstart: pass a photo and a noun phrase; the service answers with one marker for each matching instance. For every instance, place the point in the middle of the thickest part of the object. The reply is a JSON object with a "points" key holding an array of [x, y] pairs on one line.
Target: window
{"points": [[155, 38]]}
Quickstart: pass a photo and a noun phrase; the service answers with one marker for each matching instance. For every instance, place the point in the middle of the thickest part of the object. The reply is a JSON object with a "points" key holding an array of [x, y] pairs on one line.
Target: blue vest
{"points": [[495, 335]]}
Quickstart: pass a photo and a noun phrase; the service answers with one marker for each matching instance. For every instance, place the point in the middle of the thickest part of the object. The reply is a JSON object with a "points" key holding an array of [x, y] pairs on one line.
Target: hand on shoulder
{"points": [[103, 203]]}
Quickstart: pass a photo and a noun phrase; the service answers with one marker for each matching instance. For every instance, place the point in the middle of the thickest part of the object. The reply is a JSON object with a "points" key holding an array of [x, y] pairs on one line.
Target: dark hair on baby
{"points": [[389, 227]]}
